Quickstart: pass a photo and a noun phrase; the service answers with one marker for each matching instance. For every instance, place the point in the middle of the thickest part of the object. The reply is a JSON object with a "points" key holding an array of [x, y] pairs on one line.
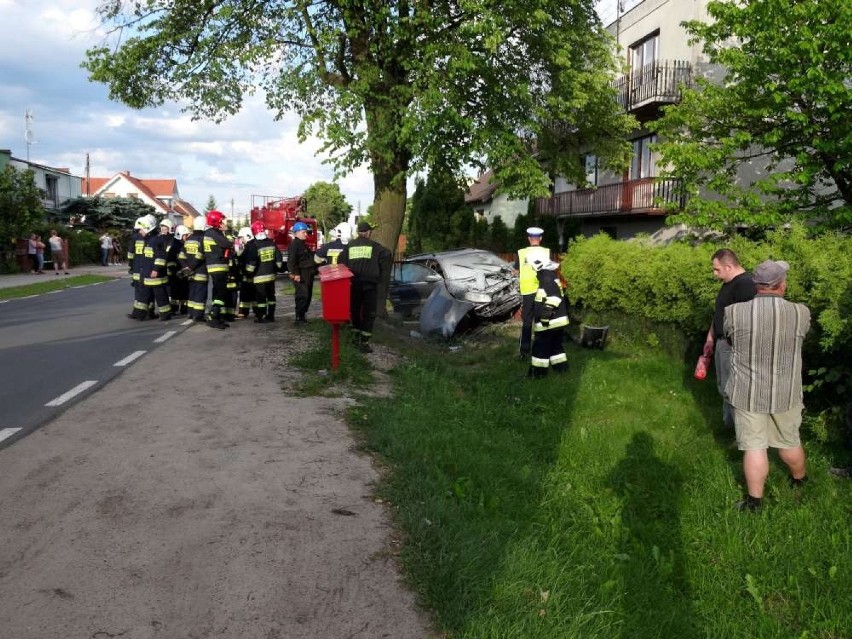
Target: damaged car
{"points": [[450, 289]]}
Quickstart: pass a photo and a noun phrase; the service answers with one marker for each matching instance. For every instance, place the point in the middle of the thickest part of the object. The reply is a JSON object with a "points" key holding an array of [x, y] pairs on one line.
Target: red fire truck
{"points": [[279, 214]]}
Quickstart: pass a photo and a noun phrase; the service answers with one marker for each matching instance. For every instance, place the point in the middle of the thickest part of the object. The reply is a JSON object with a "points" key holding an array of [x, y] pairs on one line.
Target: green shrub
{"points": [[674, 284]]}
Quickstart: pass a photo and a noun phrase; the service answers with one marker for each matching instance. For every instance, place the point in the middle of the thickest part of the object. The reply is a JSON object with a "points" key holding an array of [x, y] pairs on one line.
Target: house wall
{"points": [[59, 186], [507, 209], [664, 16], [621, 228]]}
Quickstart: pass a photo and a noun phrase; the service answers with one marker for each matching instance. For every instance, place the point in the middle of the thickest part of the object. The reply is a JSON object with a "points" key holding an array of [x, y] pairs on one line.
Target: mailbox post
{"points": [[335, 284]]}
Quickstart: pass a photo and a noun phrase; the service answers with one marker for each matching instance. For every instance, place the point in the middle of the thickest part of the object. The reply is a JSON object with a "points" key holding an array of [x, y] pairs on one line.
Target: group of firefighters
{"points": [[173, 269]]}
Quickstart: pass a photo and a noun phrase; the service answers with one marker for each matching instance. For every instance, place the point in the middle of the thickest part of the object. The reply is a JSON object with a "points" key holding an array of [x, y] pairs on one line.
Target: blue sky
{"points": [[42, 43]]}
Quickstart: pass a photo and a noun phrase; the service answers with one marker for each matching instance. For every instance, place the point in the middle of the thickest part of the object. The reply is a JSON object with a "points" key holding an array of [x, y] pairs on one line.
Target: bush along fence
{"points": [[674, 285]]}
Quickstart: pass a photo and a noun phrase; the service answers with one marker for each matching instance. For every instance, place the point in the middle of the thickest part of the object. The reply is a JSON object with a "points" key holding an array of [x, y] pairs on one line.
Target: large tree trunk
{"points": [[390, 170]]}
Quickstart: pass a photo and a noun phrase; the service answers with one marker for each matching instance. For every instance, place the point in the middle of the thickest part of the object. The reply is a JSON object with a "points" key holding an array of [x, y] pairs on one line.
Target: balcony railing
{"points": [[646, 196], [655, 83]]}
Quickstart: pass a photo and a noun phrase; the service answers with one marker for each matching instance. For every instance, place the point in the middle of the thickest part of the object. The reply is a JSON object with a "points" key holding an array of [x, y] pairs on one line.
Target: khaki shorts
{"points": [[756, 431]]}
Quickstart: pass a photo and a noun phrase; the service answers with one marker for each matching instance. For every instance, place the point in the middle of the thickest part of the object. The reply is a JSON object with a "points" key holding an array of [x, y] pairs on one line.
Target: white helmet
{"points": [[245, 233], [181, 231], [168, 224], [343, 232], [545, 264], [143, 224], [152, 221], [199, 223]]}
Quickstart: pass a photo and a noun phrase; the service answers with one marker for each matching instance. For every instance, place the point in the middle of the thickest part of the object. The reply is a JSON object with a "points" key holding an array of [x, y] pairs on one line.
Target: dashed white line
{"points": [[165, 336], [187, 322], [130, 358], [79, 388], [6, 433]]}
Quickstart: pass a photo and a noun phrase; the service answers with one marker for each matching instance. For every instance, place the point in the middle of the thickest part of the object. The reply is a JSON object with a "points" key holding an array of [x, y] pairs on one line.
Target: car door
{"points": [[410, 286]]}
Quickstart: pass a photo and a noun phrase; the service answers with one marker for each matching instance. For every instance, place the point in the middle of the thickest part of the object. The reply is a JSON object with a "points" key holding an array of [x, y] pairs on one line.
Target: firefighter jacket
{"points": [[550, 309], [217, 251], [248, 254], [300, 258], [192, 257], [135, 247], [330, 252], [152, 260], [526, 274], [263, 260], [174, 247], [367, 259]]}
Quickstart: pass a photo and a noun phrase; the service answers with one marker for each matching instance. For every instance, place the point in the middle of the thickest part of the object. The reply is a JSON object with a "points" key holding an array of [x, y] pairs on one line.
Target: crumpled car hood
{"points": [[441, 313]]}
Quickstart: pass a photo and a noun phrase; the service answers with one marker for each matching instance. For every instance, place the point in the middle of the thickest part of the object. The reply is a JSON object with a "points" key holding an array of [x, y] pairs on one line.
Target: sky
{"points": [[43, 42]]}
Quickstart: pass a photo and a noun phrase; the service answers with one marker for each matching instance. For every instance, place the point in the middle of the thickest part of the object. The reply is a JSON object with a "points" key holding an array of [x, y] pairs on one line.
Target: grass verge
{"points": [[598, 503], [48, 285]]}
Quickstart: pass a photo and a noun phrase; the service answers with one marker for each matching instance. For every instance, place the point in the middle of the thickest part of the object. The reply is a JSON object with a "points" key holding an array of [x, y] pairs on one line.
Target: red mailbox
{"points": [[335, 283]]}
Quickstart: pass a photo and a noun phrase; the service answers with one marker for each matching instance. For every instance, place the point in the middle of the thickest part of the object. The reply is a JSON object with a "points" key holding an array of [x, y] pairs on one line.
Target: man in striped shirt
{"points": [[765, 386]]}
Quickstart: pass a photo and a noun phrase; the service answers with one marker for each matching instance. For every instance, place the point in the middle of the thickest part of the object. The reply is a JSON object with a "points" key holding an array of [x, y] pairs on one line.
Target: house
{"points": [[57, 184], [487, 203], [660, 60], [162, 194]]}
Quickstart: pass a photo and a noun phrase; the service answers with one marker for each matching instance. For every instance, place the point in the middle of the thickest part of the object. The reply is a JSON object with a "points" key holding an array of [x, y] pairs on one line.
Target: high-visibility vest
{"points": [[528, 281]]}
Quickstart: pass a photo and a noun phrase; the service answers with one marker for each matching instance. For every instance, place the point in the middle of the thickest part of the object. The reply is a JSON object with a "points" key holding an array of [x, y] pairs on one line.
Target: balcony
{"points": [[646, 196], [653, 85]]}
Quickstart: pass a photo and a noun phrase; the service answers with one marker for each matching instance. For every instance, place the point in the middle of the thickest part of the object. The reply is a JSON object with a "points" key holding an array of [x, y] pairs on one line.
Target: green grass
{"points": [[319, 377], [598, 504], [49, 285]]}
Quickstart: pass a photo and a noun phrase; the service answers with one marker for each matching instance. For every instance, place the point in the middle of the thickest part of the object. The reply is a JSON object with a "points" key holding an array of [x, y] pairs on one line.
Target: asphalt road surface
{"points": [[59, 347]]}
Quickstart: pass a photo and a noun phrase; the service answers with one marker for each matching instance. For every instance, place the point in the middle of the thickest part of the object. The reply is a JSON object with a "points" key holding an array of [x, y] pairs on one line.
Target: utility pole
{"points": [[28, 134]]}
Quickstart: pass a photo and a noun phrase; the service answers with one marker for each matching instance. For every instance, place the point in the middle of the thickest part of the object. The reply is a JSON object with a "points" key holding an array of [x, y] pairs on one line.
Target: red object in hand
{"points": [[701, 367]]}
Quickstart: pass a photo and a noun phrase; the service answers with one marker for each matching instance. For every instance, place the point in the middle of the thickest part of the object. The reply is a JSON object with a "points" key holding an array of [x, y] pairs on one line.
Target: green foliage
{"points": [[103, 213], [498, 237], [20, 211], [547, 223], [56, 284], [675, 285], [211, 204], [780, 116], [325, 202], [398, 86], [439, 217]]}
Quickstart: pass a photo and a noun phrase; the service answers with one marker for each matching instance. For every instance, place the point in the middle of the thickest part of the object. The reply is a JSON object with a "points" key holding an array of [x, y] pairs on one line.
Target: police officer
{"points": [[550, 317], [300, 263], [194, 269], [262, 261], [529, 284], [217, 255], [369, 261]]}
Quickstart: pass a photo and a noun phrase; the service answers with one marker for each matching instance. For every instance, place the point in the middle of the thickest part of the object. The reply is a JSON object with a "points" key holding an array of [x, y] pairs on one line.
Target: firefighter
{"points": [[369, 261], [261, 264], [550, 317], [243, 247], [194, 269], [135, 246], [150, 264], [340, 236], [178, 286], [300, 263], [232, 287], [217, 256]]}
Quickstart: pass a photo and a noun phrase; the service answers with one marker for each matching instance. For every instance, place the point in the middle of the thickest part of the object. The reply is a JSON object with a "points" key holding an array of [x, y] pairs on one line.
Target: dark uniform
{"points": [[217, 255], [150, 264], [247, 301], [368, 260], [550, 317], [300, 261], [229, 312], [330, 253], [178, 287], [194, 269], [262, 261]]}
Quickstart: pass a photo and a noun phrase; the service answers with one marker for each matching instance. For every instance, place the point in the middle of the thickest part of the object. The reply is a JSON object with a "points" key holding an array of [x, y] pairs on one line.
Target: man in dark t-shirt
{"points": [[737, 286]]}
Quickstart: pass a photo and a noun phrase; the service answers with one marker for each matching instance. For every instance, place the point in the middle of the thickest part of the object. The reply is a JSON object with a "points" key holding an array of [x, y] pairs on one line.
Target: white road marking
{"points": [[187, 322], [130, 358], [79, 388], [6, 433], [164, 337]]}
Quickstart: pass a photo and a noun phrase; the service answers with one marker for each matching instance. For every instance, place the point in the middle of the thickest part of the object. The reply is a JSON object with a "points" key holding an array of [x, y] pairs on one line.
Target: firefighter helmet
{"points": [[539, 264], [344, 232], [300, 226], [257, 227], [199, 223], [215, 218], [244, 233], [168, 224], [143, 224], [181, 231]]}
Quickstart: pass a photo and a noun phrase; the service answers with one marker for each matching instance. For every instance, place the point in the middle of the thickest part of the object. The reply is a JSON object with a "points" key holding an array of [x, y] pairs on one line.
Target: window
{"points": [[52, 187], [644, 52], [590, 162], [644, 162]]}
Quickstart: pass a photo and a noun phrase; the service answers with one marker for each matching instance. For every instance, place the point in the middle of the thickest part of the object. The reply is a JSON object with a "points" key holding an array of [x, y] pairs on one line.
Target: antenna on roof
{"points": [[28, 134]]}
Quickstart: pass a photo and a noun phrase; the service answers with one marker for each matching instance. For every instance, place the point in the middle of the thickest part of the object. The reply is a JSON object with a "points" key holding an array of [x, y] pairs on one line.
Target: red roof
{"points": [[483, 189]]}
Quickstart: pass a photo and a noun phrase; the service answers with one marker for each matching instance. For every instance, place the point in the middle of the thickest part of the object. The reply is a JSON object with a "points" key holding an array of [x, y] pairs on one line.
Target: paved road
{"points": [[59, 347]]}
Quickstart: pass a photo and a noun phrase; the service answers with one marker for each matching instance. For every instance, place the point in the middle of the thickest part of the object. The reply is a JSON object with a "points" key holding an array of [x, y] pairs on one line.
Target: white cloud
{"points": [[42, 45]]}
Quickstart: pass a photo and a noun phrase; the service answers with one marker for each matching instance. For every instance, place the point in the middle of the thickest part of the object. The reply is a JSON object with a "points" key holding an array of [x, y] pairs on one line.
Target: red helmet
{"points": [[257, 227], [215, 219]]}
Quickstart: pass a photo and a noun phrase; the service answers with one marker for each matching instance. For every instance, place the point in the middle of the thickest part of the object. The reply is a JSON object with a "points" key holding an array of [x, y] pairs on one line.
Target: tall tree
{"points": [[20, 208], [394, 84], [774, 136], [325, 202], [211, 204]]}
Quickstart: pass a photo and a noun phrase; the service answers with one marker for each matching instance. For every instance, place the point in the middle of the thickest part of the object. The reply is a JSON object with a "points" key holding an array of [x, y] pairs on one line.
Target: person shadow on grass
{"points": [[655, 596]]}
